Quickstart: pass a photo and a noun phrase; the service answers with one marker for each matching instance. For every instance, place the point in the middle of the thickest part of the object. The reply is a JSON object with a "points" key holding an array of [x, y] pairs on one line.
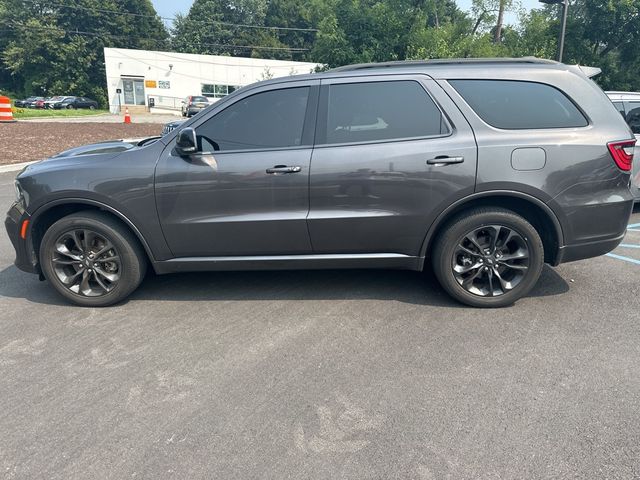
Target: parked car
{"points": [[76, 102], [169, 127], [628, 104], [50, 104], [487, 169], [26, 102], [193, 104], [38, 103]]}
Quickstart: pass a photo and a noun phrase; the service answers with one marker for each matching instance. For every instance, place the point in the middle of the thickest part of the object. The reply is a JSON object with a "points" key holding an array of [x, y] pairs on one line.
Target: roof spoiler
{"points": [[590, 71]]}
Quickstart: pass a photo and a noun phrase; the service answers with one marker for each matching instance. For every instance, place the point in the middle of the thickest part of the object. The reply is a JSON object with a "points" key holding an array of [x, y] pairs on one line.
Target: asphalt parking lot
{"points": [[324, 375]]}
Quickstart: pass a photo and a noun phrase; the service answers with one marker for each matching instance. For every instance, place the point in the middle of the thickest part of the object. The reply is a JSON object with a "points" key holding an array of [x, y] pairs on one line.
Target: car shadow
{"points": [[404, 286]]}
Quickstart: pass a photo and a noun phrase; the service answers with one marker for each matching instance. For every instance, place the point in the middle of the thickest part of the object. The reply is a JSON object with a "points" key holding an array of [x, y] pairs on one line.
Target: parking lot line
{"points": [[634, 225], [626, 245], [626, 259]]}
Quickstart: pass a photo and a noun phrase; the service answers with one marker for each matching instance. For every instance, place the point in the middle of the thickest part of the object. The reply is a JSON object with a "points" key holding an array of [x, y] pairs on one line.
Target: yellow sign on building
{"points": [[150, 84]]}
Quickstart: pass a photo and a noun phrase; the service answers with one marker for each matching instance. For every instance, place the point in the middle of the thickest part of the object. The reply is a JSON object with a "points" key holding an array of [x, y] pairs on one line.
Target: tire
{"points": [[121, 267], [503, 275], [92, 107], [69, 107]]}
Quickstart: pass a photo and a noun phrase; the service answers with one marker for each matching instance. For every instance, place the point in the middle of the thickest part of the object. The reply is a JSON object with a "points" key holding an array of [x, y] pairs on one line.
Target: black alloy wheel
{"points": [[488, 257], [92, 258]]}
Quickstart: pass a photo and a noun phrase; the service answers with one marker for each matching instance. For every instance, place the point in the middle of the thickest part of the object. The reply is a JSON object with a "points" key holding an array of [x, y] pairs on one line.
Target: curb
{"points": [[13, 167]]}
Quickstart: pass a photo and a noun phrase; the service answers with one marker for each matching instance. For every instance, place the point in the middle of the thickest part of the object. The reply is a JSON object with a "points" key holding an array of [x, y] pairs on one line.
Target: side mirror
{"points": [[186, 142]]}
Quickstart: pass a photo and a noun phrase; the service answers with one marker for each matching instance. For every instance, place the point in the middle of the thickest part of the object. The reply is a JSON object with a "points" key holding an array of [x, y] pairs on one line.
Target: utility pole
{"points": [[497, 34], [563, 25]]}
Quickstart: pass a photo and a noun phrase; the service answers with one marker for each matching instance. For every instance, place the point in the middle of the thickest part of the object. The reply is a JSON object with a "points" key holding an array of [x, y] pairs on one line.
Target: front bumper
{"points": [[15, 217]]}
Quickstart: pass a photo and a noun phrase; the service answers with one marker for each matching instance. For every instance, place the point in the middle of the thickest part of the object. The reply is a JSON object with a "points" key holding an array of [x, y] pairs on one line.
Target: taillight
{"points": [[23, 230], [622, 153]]}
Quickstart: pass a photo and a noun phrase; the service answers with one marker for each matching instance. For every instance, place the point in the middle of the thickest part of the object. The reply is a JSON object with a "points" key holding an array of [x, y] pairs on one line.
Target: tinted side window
{"points": [[633, 116], [373, 111], [518, 105], [272, 119]]}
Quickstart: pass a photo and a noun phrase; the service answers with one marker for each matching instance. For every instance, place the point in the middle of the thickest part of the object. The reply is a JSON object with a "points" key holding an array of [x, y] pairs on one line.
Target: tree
{"points": [[221, 27], [600, 33], [56, 48], [490, 15], [353, 31]]}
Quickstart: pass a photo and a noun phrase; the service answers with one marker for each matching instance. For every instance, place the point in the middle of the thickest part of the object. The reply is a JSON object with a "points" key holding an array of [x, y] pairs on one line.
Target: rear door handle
{"points": [[445, 160], [283, 169]]}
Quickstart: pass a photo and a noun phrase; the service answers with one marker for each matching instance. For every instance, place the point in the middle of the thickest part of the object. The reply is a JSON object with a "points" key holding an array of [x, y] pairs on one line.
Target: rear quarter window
{"points": [[518, 105]]}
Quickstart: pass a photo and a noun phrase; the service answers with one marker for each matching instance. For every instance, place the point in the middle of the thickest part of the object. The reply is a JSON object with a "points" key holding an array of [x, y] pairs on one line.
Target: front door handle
{"points": [[283, 169], [445, 160]]}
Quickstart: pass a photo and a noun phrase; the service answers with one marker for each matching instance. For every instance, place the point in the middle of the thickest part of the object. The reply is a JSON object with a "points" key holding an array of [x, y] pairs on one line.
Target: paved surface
{"points": [[322, 375]]}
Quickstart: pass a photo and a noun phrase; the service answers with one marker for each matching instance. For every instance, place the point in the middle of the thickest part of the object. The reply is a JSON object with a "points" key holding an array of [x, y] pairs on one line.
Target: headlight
{"points": [[19, 193]]}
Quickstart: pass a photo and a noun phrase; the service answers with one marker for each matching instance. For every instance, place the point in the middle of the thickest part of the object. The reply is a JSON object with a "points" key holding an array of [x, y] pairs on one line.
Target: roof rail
{"points": [[444, 61]]}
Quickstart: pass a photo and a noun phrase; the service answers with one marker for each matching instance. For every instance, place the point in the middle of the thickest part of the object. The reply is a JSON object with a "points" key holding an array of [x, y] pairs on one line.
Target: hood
{"points": [[109, 146]]}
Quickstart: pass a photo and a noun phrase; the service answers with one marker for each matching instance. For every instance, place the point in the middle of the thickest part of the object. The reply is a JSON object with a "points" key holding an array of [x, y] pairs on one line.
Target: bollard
{"points": [[6, 115]]}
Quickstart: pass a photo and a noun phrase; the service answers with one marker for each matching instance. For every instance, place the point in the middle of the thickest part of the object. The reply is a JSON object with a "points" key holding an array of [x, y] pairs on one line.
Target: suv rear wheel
{"points": [[488, 257], [92, 259]]}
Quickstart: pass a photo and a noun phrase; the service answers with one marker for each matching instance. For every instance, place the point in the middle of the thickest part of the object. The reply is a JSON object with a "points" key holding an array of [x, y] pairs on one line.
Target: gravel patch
{"points": [[26, 141]]}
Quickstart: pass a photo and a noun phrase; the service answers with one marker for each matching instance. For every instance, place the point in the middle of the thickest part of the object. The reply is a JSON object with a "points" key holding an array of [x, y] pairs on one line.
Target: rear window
{"points": [[199, 99], [516, 105]]}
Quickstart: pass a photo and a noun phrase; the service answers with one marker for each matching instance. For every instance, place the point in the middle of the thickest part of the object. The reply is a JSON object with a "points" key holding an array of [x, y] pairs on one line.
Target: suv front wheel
{"points": [[488, 257], [92, 259]]}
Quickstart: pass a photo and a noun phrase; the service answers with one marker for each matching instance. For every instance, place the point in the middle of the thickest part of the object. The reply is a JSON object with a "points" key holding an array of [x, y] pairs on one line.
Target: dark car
{"points": [[26, 102], [171, 126], [485, 169], [75, 102], [193, 104]]}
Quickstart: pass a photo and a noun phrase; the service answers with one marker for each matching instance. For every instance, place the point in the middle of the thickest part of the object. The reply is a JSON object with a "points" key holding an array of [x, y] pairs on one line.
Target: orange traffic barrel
{"points": [[127, 117], [6, 115]]}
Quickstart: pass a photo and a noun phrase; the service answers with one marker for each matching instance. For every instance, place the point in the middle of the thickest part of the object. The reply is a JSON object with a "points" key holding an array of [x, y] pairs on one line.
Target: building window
{"points": [[217, 91], [133, 91]]}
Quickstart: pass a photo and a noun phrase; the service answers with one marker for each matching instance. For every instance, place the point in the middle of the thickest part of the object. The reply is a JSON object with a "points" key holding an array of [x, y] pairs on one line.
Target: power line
{"points": [[104, 35], [173, 55], [156, 16]]}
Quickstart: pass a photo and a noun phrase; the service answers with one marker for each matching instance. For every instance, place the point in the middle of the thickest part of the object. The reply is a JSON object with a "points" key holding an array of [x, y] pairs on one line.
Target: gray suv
{"points": [[486, 169]]}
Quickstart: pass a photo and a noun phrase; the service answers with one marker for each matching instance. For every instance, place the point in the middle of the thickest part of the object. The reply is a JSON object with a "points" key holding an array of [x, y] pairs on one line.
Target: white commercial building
{"points": [[142, 78]]}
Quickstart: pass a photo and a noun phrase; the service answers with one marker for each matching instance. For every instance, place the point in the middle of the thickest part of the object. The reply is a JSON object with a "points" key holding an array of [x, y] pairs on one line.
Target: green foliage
{"points": [[211, 27], [31, 113], [41, 53]]}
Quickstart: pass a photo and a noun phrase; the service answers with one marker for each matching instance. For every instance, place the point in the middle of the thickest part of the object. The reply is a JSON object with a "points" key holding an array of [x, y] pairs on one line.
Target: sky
{"points": [[168, 8]]}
